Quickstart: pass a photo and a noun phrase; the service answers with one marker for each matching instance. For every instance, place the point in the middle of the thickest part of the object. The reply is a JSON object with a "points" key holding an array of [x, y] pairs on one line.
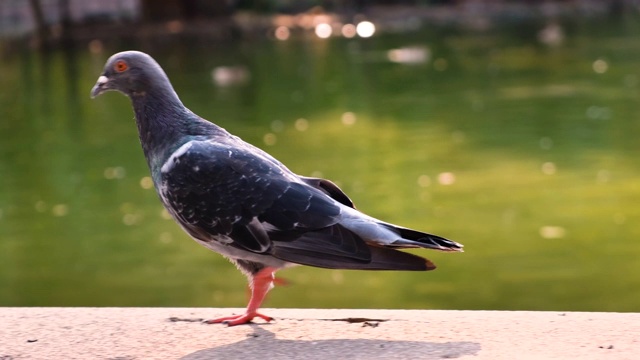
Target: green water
{"points": [[527, 154]]}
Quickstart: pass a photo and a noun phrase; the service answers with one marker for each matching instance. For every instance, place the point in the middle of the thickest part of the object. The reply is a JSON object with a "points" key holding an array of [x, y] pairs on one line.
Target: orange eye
{"points": [[120, 66]]}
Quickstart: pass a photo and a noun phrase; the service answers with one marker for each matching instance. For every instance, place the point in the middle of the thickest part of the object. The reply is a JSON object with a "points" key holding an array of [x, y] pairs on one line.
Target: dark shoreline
{"points": [[467, 16]]}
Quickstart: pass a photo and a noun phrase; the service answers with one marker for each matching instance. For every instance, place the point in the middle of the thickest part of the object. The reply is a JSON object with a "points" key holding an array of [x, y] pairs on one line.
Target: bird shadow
{"points": [[264, 344]]}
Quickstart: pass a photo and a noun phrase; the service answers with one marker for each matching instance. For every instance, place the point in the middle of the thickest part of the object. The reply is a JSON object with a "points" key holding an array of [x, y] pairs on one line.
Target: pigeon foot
{"points": [[261, 283], [238, 319]]}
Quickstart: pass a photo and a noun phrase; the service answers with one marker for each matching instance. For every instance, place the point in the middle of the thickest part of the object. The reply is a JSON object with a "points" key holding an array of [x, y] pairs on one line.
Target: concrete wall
{"points": [[177, 333]]}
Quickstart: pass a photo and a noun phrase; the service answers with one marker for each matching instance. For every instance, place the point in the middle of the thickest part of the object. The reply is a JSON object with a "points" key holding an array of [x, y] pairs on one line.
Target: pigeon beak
{"points": [[101, 86]]}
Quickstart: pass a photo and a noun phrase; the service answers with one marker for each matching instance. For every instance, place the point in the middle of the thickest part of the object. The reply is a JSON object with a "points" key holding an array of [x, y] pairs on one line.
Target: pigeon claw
{"points": [[261, 283], [238, 319]]}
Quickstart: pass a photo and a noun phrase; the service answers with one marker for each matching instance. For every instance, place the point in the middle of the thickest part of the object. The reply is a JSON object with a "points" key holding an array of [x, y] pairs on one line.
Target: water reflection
{"points": [[526, 154], [224, 76]]}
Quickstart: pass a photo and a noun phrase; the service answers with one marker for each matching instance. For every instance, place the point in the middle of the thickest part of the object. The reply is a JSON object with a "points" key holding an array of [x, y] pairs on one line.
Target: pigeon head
{"points": [[133, 73]]}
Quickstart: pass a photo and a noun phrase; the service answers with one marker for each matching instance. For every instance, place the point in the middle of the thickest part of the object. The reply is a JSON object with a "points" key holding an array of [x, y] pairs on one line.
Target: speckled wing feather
{"points": [[234, 195]]}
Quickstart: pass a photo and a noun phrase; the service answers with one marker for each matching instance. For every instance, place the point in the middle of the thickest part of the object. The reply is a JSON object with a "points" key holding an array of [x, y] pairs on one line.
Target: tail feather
{"points": [[336, 247], [412, 239], [382, 258], [390, 259]]}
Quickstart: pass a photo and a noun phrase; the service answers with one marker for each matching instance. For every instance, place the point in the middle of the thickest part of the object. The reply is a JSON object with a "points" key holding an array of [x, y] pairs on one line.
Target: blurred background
{"points": [[509, 126]]}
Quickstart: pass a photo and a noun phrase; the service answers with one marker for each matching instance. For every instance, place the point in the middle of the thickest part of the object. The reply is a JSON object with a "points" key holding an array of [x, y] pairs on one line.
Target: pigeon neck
{"points": [[160, 116]]}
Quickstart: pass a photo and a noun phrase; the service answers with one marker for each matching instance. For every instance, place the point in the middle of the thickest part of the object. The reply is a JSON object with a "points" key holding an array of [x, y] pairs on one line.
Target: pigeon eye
{"points": [[120, 66]]}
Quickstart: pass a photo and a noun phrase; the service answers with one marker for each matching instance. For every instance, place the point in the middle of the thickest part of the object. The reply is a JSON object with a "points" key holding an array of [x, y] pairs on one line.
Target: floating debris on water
{"points": [[552, 232], [60, 210], [349, 118], [548, 168], [446, 178], [146, 183], [269, 139], [301, 124], [424, 180], [114, 173]]}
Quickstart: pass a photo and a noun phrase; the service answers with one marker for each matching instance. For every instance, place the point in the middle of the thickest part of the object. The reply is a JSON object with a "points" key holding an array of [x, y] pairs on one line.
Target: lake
{"points": [[524, 150]]}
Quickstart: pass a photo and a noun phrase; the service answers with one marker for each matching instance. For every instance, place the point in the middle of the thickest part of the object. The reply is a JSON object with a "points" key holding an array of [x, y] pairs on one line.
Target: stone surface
{"points": [[177, 333]]}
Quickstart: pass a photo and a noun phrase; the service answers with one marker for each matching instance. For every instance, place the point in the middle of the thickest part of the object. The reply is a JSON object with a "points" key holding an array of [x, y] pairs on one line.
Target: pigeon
{"points": [[239, 201]]}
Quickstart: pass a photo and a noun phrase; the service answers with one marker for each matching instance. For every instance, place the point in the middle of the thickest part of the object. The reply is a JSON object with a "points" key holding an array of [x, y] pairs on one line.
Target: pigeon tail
{"points": [[381, 258], [413, 239]]}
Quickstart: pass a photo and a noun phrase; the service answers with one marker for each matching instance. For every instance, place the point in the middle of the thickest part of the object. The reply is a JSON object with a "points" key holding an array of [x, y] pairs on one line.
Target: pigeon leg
{"points": [[261, 283]]}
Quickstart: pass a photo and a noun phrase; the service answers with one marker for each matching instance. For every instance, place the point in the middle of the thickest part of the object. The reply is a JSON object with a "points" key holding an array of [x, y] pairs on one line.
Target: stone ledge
{"points": [[176, 333]]}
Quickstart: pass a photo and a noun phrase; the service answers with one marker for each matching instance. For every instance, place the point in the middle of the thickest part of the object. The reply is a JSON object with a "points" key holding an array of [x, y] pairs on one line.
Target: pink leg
{"points": [[260, 284]]}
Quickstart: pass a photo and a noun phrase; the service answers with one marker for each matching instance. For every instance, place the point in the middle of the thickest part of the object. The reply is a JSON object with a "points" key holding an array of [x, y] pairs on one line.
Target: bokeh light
{"points": [[349, 118], [282, 33], [323, 30], [301, 124], [365, 29], [349, 30], [600, 66]]}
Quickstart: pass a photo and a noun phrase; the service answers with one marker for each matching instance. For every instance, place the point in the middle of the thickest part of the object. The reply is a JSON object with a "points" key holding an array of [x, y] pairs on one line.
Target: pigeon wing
{"points": [[329, 188], [245, 198]]}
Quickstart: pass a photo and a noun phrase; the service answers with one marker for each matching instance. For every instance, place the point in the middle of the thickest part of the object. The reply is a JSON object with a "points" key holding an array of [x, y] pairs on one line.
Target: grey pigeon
{"points": [[239, 201]]}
